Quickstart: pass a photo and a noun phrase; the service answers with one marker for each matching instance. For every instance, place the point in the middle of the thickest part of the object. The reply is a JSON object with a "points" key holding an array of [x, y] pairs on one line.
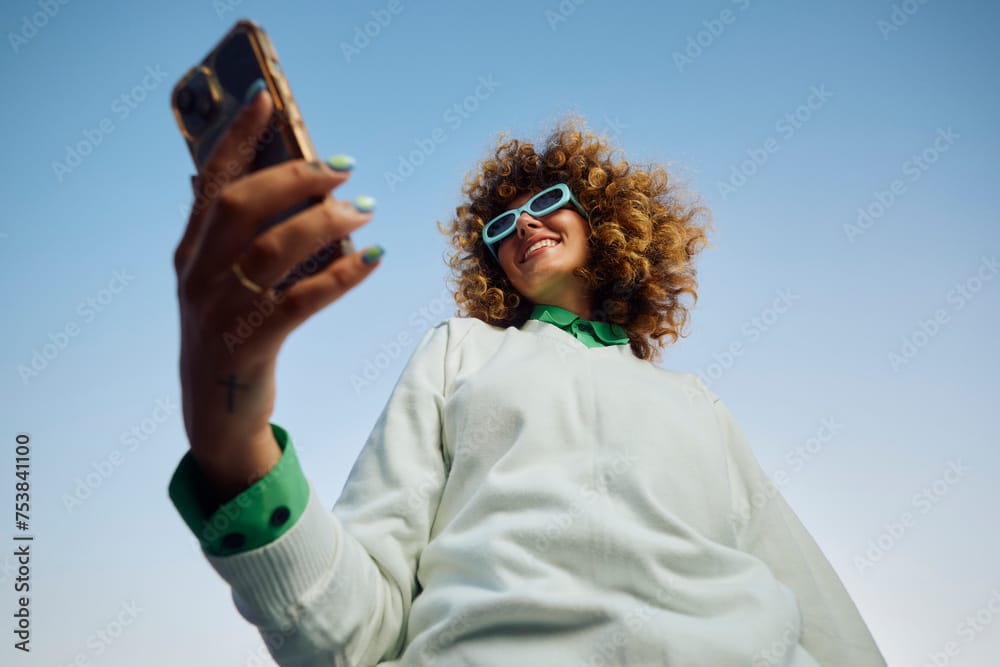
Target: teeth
{"points": [[544, 243]]}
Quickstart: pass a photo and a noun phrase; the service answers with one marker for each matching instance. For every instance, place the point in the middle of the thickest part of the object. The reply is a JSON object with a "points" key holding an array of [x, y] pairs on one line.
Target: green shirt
{"points": [[590, 333], [263, 512]]}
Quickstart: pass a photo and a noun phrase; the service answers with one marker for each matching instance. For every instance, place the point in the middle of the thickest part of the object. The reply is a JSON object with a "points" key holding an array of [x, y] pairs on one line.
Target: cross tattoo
{"points": [[231, 385]]}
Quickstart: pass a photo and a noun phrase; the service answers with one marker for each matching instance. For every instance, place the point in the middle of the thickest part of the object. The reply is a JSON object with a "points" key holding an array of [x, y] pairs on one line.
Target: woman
{"points": [[536, 491]]}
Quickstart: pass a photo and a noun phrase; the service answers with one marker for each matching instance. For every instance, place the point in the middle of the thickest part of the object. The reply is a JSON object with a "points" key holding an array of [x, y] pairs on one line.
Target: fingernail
{"points": [[254, 90], [371, 255], [341, 162], [364, 203]]}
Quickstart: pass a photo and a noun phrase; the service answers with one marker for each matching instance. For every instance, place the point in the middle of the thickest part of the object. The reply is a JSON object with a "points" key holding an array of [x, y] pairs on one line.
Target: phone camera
{"points": [[196, 104], [192, 101], [185, 100], [204, 106]]}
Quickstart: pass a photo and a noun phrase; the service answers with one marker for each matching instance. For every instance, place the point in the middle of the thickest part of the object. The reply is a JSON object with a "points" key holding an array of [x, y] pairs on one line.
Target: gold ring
{"points": [[249, 284]]}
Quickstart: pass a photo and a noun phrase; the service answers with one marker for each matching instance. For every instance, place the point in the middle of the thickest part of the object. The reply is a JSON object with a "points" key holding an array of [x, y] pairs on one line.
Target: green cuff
{"points": [[259, 515]]}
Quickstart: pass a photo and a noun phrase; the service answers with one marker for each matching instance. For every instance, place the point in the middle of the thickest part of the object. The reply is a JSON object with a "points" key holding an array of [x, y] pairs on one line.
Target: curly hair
{"points": [[644, 234]]}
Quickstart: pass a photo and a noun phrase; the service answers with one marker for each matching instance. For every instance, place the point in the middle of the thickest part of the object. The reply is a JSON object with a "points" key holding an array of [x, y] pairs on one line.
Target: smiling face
{"points": [[544, 273]]}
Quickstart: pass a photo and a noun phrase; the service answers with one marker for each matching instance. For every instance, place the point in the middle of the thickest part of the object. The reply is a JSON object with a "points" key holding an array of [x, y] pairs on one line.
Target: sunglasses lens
{"points": [[500, 225], [546, 200]]}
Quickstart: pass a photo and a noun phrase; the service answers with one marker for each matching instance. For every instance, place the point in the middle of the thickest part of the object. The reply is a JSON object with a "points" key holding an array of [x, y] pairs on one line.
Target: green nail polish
{"points": [[364, 203], [341, 162], [371, 255], [254, 90]]}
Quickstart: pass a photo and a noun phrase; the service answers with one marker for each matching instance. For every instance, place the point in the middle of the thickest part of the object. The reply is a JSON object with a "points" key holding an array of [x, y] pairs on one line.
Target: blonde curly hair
{"points": [[644, 235]]}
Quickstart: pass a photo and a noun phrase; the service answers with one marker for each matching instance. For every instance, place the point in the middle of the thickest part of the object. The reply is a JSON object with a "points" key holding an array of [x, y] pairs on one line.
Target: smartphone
{"points": [[210, 95]]}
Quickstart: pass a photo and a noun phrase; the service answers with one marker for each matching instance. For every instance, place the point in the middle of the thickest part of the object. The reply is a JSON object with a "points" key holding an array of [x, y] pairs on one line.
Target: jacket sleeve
{"points": [[258, 515], [833, 631], [337, 587]]}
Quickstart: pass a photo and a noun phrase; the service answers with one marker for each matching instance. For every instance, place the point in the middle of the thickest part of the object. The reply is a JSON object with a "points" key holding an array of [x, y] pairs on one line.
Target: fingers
{"points": [[265, 193], [235, 150], [186, 245], [245, 205], [312, 294], [230, 158], [273, 254]]}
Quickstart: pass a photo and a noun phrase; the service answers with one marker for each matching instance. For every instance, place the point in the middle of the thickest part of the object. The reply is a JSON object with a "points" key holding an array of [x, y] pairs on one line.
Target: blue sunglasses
{"points": [[545, 202]]}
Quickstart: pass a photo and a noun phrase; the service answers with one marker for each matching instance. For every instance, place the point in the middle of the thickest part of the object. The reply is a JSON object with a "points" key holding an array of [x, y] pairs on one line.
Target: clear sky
{"points": [[847, 313]]}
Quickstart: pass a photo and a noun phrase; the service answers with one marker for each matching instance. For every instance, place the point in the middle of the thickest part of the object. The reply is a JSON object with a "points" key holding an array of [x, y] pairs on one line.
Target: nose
{"points": [[525, 224]]}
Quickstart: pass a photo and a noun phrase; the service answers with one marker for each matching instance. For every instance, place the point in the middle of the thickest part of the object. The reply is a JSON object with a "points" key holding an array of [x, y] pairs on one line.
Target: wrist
{"points": [[230, 470]]}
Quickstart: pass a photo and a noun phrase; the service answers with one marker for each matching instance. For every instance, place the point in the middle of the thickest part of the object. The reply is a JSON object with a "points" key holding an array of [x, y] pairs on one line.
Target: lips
{"points": [[532, 241]]}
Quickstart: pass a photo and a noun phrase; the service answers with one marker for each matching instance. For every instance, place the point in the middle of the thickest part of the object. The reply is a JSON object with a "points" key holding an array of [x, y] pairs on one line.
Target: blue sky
{"points": [[847, 311]]}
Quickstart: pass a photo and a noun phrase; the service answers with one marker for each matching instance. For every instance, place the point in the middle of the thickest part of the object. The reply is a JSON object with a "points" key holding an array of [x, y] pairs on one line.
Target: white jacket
{"points": [[526, 500]]}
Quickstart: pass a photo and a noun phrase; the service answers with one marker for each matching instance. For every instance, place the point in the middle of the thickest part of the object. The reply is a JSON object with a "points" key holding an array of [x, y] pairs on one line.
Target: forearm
{"points": [[316, 594]]}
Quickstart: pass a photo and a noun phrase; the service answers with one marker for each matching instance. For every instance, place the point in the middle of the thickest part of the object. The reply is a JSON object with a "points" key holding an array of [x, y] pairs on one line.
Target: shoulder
{"points": [[720, 411], [695, 384], [690, 384], [447, 337], [456, 329]]}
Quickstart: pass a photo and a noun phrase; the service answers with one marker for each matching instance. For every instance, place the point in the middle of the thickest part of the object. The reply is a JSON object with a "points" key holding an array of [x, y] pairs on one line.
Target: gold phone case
{"points": [[214, 95]]}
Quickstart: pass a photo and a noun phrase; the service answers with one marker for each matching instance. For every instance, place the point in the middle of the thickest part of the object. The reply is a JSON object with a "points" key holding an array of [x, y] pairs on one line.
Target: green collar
{"points": [[590, 333]]}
